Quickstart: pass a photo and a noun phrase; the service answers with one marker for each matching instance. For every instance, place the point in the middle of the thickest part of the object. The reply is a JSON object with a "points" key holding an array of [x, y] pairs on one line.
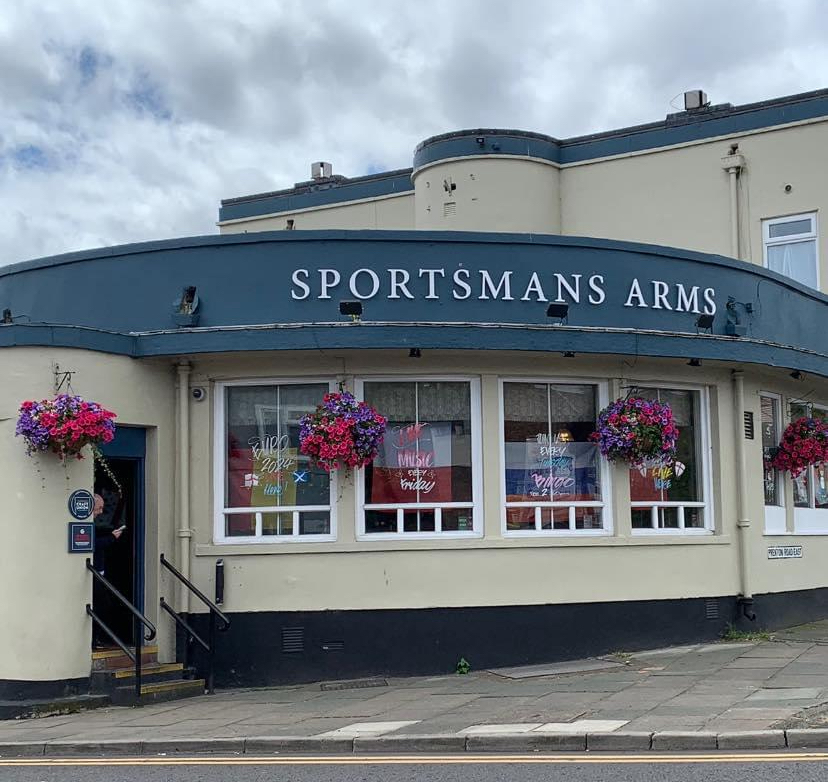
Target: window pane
{"points": [[380, 521], [802, 490], [642, 518], [546, 434], [770, 442], [418, 521], [555, 518], [277, 523], [426, 455], [315, 522], [457, 520], [820, 472], [791, 227], [681, 480], [588, 518], [520, 518], [694, 518], [264, 467], [668, 518], [796, 260], [240, 525]]}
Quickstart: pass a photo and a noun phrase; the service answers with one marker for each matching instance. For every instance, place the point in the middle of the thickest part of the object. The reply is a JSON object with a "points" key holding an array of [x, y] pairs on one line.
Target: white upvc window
{"points": [[772, 480], [265, 490], [675, 499], [554, 480], [790, 247], [810, 487], [425, 481]]}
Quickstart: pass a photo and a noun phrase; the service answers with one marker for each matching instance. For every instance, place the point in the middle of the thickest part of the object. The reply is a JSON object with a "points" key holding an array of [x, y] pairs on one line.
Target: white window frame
{"points": [[602, 399], [811, 236], [219, 465], [775, 522], [810, 520], [476, 503], [706, 455]]}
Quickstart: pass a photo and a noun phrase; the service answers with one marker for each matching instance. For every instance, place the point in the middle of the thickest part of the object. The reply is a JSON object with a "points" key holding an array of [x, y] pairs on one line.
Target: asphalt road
{"points": [[723, 767]]}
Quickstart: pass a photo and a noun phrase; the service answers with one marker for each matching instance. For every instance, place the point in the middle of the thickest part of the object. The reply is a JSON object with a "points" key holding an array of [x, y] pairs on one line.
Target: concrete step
{"points": [[47, 707], [109, 680], [110, 659], [156, 692]]}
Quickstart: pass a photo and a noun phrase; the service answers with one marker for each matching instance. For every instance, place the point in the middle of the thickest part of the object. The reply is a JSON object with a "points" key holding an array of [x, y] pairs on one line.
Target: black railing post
{"points": [[139, 654], [212, 653]]}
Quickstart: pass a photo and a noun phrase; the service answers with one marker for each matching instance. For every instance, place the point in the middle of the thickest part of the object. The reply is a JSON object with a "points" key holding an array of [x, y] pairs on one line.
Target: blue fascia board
{"points": [[737, 351], [366, 187]]}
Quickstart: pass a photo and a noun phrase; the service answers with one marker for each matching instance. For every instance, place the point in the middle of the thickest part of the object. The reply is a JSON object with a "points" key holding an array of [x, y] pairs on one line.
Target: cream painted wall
{"points": [[50, 587], [506, 194], [388, 212]]}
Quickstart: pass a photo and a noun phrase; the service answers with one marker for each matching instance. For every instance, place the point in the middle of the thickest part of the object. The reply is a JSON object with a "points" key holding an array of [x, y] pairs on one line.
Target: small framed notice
{"points": [[784, 552], [81, 537]]}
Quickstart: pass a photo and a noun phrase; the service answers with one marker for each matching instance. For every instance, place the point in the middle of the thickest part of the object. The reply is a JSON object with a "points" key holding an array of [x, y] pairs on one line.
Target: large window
{"points": [[790, 247], [810, 487], [265, 489], [553, 474], [671, 498], [425, 478]]}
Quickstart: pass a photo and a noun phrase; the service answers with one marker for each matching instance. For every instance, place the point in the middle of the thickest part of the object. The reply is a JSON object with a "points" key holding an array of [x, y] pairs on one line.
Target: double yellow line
{"points": [[432, 760]]}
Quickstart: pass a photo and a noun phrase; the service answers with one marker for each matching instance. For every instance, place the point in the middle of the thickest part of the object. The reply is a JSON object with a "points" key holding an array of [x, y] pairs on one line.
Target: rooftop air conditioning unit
{"points": [[695, 99]]}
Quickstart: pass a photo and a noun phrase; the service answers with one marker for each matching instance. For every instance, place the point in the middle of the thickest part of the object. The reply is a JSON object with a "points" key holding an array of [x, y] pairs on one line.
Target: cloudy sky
{"points": [[128, 120]]}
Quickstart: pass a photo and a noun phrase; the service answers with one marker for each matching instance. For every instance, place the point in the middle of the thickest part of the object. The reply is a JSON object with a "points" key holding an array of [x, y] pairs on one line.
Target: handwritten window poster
{"points": [[549, 457], [265, 469], [679, 481], [426, 454]]}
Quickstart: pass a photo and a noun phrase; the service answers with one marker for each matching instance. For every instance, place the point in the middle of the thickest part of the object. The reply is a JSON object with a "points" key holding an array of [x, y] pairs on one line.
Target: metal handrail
{"points": [[139, 622], [197, 592], [210, 645]]}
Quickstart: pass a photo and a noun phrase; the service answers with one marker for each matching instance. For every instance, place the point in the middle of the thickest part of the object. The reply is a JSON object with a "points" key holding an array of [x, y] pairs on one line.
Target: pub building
{"points": [[489, 302]]}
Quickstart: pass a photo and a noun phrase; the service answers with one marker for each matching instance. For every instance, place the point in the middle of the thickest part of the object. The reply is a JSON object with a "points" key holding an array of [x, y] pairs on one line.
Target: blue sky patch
{"points": [[31, 156]]}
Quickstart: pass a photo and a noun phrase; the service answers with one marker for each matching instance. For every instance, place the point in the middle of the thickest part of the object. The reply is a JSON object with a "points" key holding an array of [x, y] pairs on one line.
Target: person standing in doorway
{"points": [[105, 538]]}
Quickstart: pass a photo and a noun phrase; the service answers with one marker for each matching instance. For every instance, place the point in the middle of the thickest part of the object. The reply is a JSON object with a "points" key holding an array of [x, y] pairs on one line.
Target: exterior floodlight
{"points": [[694, 362], [704, 322], [7, 316], [797, 375], [559, 311], [415, 353], [351, 308], [569, 354]]}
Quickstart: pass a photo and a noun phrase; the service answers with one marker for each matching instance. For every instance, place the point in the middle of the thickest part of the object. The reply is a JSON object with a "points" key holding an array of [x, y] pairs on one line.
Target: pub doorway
{"points": [[120, 533]]}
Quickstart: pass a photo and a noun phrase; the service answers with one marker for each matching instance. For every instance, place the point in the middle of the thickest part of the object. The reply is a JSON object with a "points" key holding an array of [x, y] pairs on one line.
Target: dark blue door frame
{"points": [[130, 444]]}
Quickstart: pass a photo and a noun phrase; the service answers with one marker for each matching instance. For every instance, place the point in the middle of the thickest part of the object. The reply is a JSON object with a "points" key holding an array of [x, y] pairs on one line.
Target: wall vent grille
{"points": [[293, 640], [449, 209], [711, 609], [749, 429]]}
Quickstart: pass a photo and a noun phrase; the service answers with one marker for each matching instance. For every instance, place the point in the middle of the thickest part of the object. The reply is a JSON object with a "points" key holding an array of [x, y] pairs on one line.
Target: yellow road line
{"points": [[394, 760]]}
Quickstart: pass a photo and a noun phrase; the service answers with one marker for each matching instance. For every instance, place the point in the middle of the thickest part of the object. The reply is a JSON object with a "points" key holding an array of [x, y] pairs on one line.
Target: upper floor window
{"points": [[266, 490], [554, 477], [425, 479], [790, 247], [672, 498]]}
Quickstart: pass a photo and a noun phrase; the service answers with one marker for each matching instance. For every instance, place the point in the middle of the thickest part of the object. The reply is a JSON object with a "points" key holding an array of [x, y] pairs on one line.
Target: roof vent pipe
{"points": [[321, 170]]}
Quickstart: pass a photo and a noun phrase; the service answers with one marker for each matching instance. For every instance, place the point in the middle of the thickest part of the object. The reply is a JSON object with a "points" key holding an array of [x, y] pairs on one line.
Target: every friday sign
{"points": [[464, 284]]}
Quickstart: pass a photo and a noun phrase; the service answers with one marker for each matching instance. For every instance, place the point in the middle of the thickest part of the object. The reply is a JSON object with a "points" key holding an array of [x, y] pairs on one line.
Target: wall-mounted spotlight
{"points": [[415, 353], [569, 354], [7, 316], [797, 375], [558, 311], [694, 362], [480, 141], [353, 309], [704, 323]]}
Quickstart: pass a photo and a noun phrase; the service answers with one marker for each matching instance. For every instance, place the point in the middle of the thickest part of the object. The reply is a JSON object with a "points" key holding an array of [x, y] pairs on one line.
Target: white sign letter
{"points": [[635, 293], [431, 273], [534, 286], [487, 282], [462, 284], [352, 283], [299, 283], [660, 291], [399, 284], [595, 283], [329, 278]]}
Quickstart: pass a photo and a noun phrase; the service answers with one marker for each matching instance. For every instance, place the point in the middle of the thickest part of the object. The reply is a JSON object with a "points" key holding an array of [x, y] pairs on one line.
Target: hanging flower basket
{"points": [[638, 431], [804, 442], [64, 425], [341, 432]]}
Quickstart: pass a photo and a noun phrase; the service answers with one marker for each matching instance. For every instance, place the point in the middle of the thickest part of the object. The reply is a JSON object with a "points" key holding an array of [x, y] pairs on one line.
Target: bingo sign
{"points": [[81, 503], [81, 537]]}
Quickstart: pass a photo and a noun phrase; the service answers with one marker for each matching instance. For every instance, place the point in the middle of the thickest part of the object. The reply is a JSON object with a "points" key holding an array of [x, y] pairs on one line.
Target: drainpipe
{"points": [[733, 163], [184, 532], [745, 600]]}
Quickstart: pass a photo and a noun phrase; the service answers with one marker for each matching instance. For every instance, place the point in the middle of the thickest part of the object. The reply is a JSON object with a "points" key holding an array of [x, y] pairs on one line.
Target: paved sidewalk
{"points": [[706, 690]]}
